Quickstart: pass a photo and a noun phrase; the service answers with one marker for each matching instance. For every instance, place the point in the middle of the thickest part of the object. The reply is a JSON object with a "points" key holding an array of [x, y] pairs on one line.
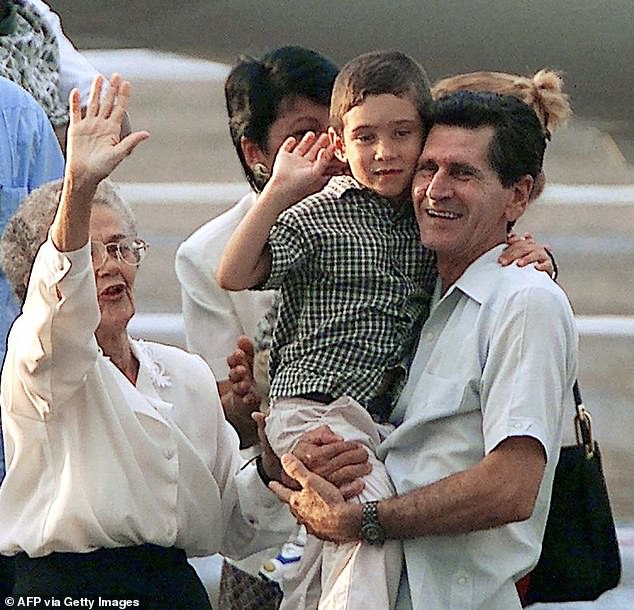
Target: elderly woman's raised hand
{"points": [[94, 147]]}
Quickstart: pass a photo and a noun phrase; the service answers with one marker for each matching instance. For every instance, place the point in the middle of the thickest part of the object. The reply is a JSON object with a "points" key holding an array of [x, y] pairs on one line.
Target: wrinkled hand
{"points": [[319, 505], [93, 141], [525, 251], [342, 463]]}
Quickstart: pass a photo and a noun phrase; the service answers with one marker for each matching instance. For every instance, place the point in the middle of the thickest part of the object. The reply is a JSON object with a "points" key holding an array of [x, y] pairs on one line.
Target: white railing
{"points": [[211, 192], [170, 328]]}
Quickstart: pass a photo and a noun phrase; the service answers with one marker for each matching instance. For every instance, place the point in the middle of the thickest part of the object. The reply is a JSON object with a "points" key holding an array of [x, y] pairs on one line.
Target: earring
{"points": [[261, 172]]}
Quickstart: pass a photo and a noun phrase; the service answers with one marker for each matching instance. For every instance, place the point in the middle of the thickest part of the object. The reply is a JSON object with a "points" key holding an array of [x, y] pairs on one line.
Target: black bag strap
{"points": [[577, 392], [583, 424]]}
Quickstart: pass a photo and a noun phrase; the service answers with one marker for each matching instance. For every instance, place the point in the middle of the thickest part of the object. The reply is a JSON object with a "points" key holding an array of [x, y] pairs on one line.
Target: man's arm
{"points": [[300, 170], [500, 489]]}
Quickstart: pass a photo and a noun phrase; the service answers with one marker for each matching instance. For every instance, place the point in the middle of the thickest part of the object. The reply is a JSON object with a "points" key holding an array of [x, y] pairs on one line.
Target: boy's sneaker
{"points": [[279, 567]]}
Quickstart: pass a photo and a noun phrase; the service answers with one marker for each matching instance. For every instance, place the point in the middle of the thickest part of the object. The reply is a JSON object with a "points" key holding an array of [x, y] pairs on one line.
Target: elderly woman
{"points": [[119, 460]]}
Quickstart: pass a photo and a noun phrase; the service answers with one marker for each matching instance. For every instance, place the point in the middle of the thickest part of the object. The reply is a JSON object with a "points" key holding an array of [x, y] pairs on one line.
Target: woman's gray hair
{"points": [[27, 229]]}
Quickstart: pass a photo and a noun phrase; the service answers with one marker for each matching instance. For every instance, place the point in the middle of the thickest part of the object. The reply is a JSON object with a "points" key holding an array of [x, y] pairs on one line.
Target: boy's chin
{"points": [[400, 198]]}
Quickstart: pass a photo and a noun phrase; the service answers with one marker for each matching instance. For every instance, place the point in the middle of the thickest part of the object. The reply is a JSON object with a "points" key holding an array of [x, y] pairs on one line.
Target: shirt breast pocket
{"points": [[437, 397]]}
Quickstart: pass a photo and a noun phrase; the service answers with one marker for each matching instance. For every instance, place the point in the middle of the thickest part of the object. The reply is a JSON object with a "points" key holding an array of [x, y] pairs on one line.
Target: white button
{"points": [[429, 336], [463, 580], [517, 425]]}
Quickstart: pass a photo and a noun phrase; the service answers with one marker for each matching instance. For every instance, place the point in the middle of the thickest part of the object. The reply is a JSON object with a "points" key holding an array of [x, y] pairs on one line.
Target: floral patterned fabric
{"points": [[29, 56]]}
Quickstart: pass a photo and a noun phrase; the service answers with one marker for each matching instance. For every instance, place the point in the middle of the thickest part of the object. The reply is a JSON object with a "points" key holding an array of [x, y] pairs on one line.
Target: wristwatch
{"points": [[371, 530]]}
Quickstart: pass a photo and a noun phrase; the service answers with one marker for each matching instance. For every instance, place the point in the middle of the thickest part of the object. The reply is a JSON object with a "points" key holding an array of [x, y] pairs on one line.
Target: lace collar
{"points": [[155, 368]]}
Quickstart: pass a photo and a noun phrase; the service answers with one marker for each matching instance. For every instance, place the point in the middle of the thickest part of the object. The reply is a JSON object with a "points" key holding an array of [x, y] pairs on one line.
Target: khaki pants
{"points": [[350, 576]]}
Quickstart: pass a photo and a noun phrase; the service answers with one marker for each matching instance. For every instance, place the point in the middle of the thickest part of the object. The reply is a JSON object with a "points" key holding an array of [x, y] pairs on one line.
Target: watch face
{"points": [[371, 530], [373, 533]]}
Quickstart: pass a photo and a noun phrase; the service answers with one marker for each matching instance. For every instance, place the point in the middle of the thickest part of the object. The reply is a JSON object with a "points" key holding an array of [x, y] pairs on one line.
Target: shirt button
{"points": [[463, 580], [517, 425], [429, 336]]}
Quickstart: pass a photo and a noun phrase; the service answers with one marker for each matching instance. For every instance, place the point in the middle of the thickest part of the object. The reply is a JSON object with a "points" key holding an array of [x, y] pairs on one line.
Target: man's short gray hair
{"points": [[27, 229]]}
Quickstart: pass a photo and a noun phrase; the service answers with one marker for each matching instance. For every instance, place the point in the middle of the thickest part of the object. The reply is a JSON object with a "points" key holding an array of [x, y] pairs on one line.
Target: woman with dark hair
{"points": [[286, 92]]}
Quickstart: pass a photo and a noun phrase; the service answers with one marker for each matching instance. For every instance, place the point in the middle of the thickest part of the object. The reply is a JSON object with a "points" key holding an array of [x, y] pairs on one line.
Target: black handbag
{"points": [[580, 553]]}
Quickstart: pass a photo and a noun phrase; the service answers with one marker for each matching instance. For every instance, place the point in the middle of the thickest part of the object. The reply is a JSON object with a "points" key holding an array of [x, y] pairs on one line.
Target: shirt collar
{"points": [[340, 185], [479, 279]]}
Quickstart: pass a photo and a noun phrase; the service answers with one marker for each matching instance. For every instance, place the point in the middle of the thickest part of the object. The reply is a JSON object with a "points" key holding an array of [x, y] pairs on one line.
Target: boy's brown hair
{"points": [[376, 73]]}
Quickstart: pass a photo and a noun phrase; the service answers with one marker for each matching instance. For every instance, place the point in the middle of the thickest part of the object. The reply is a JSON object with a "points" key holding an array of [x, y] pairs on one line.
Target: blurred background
{"points": [[177, 55]]}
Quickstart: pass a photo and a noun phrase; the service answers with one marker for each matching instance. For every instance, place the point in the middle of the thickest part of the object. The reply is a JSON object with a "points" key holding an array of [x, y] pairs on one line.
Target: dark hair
{"points": [[376, 73], [518, 145], [256, 88]]}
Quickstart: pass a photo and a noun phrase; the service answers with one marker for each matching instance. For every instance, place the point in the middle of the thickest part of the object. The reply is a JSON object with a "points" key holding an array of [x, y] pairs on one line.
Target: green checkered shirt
{"points": [[355, 284]]}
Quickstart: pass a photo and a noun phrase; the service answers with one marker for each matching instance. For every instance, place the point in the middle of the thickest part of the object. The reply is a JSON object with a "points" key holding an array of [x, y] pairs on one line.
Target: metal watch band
{"points": [[371, 530]]}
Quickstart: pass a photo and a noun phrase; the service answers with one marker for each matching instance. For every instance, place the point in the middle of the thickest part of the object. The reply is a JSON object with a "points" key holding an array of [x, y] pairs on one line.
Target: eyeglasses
{"points": [[130, 250]]}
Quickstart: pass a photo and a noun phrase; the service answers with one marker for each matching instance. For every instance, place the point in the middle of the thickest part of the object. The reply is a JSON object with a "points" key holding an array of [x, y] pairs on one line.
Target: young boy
{"points": [[354, 283]]}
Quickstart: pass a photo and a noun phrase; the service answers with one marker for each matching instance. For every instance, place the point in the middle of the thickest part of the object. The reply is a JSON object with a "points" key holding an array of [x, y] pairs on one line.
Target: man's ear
{"points": [[252, 152], [521, 196], [337, 141]]}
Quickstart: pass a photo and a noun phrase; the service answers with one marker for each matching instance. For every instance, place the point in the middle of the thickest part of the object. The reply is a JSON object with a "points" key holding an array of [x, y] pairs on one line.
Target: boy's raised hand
{"points": [[302, 167]]}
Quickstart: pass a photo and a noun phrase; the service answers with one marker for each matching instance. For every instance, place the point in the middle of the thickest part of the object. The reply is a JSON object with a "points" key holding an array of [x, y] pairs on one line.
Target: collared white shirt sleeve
{"points": [[497, 358]]}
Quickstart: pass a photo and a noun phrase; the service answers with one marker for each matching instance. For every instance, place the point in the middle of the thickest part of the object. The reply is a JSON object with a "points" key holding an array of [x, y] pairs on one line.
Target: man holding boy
{"points": [[479, 421]]}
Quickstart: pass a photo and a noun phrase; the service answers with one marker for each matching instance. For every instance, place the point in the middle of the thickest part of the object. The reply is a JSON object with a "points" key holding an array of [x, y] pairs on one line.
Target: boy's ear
{"points": [[337, 141], [520, 199], [252, 152]]}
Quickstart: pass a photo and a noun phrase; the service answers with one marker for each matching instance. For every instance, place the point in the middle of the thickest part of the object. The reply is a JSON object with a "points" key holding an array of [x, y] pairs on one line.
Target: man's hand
{"points": [[319, 505], [342, 463], [241, 376], [240, 398]]}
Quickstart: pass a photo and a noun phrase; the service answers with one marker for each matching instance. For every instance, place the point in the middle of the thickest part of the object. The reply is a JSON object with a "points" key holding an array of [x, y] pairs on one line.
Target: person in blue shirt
{"points": [[29, 156]]}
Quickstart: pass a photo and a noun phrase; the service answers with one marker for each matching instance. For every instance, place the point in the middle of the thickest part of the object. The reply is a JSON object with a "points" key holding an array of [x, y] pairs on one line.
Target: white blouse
{"points": [[215, 318], [94, 461]]}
